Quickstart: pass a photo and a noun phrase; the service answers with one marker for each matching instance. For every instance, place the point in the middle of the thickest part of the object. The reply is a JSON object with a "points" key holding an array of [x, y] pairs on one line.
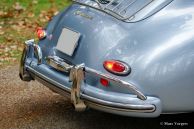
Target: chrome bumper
{"points": [[80, 99]]}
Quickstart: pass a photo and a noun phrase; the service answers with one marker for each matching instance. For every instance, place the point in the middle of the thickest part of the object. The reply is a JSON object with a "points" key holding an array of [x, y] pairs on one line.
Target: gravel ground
{"points": [[31, 105]]}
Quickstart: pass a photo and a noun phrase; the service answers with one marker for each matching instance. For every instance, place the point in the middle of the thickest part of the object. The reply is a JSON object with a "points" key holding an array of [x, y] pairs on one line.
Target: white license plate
{"points": [[68, 41]]}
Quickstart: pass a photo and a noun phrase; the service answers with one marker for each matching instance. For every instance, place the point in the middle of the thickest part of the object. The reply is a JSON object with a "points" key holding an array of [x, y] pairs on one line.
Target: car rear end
{"points": [[76, 50]]}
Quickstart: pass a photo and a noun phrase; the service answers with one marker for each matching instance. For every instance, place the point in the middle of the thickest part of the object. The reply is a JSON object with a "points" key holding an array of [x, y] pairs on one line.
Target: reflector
{"points": [[104, 82]]}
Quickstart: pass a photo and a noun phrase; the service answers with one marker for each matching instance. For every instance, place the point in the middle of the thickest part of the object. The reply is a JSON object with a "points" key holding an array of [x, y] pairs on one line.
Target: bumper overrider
{"points": [[83, 95]]}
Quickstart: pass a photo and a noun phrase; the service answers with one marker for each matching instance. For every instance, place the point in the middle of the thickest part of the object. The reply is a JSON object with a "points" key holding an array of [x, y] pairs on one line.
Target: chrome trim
{"points": [[38, 53], [53, 87], [58, 63], [132, 108], [121, 83], [77, 76], [53, 82], [146, 108], [24, 75]]}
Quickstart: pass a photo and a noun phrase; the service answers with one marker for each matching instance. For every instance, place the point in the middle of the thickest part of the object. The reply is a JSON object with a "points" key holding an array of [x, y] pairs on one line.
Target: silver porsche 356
{"points": [[127, 57]]}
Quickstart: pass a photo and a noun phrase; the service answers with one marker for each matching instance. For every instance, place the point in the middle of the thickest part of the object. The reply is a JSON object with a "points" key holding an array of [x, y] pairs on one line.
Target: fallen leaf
{"points": [[2, 46], [13, 59], [2, 23], [34, 1], [20, 23], [13, 47], [17, 6], [2, 32], [5, 14], [1, 13], [43, 20], [20, 48], [10, 22], [9, 39], [30, 15], [6, 50], [6, 54], [16, 27]]}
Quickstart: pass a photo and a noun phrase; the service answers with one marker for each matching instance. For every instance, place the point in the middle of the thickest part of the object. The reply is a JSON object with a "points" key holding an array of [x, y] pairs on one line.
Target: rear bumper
{"points": [[32, 67]]}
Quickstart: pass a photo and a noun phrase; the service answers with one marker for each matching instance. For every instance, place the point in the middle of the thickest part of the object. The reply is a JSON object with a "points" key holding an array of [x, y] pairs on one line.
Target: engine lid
{"points": [[127, 10]]}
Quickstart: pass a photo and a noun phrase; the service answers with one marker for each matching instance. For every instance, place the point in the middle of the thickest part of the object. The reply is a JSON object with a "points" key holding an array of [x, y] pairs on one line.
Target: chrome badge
{"points": [[82, 14]]}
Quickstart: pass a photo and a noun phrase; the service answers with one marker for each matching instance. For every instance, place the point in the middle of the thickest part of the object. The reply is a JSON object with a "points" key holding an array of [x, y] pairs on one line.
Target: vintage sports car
{"points": [[127, 57]]}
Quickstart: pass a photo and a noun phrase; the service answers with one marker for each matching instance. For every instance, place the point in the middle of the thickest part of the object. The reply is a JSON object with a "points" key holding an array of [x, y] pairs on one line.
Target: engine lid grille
{"points": [[127, 10]]}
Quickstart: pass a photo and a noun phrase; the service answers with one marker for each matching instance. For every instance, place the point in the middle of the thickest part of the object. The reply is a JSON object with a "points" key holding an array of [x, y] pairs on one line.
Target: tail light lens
{"points": [[41, 33], [104, 82], [117, 67]]}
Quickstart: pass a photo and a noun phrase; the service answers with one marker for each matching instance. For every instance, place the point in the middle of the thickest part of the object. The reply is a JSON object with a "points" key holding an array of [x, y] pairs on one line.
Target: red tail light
{"points": [[104, 82], [117, 67], [41, 33]]}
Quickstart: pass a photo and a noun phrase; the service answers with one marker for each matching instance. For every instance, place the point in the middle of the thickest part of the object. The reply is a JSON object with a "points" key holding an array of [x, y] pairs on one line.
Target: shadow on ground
{"points": [[60, 114], [31, 105]]}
